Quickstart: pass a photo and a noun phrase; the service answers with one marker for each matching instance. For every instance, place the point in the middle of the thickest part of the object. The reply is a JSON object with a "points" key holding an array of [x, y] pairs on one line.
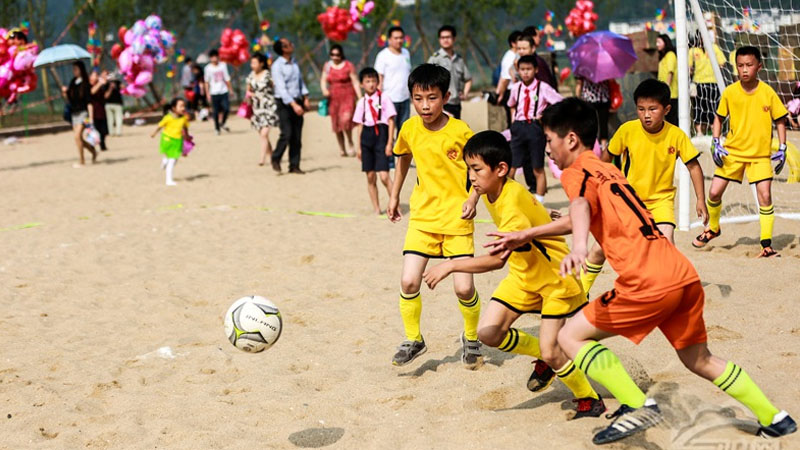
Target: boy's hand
{"points": [[779, 156], [555, 214], [393, 210], [506, 242], [468, 211], [702, 210], [572, 263], [718, 152], [389, 148], [434, 275], [358, 154]]}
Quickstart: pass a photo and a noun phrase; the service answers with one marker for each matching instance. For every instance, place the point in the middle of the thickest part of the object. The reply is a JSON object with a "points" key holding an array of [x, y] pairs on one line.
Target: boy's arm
{"points": [[468, 210], [509, 241], [580, 214], [696, 172], [480, 264], [393, 211], [357, 140], [716, 128], [780, 156], [155, 132], [390, 139]]}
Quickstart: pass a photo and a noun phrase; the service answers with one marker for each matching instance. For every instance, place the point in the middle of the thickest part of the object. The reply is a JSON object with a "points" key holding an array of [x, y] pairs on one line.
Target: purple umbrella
{"points": [[601, 55]]}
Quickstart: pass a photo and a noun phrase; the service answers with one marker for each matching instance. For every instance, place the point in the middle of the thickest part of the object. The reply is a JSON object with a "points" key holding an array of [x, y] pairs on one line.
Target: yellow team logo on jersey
{"points": [[452, 154]]}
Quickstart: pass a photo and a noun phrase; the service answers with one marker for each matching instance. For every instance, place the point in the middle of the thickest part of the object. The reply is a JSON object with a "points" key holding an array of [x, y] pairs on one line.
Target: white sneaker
{"points": [[171, 183]]}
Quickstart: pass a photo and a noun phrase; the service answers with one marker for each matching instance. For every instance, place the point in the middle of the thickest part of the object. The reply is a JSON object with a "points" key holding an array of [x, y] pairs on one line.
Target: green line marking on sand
{"points": [[83, 218], [168, 207], [326, 214], [22, 227], [483, 221]]}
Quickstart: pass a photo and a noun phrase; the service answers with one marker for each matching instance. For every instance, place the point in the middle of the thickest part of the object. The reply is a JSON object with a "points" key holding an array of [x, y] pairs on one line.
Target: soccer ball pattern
{"points": [[253, 324]]}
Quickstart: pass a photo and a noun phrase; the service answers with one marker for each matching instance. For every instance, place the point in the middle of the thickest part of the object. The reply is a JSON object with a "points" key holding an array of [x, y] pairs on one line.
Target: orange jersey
{"points": [[646, 262]]}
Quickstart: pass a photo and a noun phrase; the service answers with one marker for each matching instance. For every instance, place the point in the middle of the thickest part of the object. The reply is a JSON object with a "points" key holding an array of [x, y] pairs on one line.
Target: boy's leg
{"points": [[668, 230], [386, 180], [507, 304], [594, 264], [538, 142], [552, 354], [714, 205], [411, 309], [766, 216], [372, 189], [469, 304]]}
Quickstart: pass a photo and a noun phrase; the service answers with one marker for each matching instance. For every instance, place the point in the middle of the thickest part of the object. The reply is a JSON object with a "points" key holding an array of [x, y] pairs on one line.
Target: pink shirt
{"points": [[383, 107], [547, 96]]}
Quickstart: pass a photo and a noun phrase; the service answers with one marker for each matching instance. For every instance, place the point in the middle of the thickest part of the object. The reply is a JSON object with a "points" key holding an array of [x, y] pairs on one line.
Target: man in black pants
{"points": [[292, 97], [218, 85]]}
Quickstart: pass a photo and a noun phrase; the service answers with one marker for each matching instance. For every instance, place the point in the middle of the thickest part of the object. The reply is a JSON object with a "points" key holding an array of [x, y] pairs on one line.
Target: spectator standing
{"points": [[79, 97], [394, 65], [98, 96], [598, 95], [292, 95], [667, 73], [460, 77], [187, 78], [114, 112], [261, 96], [505, 73], [217, 86], [544, 71], [339, 83]]}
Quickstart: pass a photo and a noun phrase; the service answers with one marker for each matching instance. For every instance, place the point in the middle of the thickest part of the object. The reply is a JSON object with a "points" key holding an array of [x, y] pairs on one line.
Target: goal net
{"points": [[773, 26]]}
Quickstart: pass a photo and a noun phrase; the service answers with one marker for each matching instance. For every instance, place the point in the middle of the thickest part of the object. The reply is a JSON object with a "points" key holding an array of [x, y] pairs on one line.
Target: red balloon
{"points": [[616, 94], [565, 72], [116, 49], [121, 33]]}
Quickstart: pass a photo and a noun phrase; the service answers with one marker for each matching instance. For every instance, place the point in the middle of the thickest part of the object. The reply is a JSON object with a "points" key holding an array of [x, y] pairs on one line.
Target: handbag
{"points": [[322, 109], [245, 110]]}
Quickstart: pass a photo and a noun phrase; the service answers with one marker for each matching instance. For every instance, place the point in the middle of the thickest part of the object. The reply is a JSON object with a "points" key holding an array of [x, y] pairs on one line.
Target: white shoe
{"points": [[171, 183]]}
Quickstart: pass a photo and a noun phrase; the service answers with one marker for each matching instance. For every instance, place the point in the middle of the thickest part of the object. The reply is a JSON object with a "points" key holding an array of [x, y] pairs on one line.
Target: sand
{"points": [[113, 287]]}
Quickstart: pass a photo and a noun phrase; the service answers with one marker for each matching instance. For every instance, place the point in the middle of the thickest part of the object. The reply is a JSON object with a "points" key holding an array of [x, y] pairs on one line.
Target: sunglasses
{"points": [[336, 54]]}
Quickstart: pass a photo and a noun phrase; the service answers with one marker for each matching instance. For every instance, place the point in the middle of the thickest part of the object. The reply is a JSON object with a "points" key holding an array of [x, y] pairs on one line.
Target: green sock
{"points": [[736, 383], [603, 366]]}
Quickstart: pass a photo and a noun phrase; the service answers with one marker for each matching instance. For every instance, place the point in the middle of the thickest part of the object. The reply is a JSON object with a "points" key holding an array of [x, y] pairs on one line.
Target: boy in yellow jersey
{"points": [[533, 284], [442, 208], [649, 148], [752, 107]]}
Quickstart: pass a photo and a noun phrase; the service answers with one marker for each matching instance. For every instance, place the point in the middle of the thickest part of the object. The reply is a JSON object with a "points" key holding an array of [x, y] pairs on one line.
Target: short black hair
{"points": [[393, 29], [339, 48], [427, 76], [449, 28], [528, 38], [172, 104], [367, 72], [513, 36], [528, 59], [652, 89], [278, 47], [214, 52], [749, 50], [490, 146], [531, 31], [572, 114], [187, 60], [262, 59], [18, 34]]}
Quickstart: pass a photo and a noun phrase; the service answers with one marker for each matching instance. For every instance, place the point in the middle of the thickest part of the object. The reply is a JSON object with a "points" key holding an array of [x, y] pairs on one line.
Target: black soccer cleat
{"points": [[589, 407], [628, 421], [542, 376], [786, 425]]}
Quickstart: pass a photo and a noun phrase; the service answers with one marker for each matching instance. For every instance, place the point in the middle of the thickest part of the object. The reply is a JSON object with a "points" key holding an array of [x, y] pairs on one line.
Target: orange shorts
{"points": [[678, 313]]}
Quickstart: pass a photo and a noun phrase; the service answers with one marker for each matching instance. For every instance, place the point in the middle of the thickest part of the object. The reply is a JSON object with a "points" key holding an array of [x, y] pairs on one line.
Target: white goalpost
{"points": [[723, 25]]}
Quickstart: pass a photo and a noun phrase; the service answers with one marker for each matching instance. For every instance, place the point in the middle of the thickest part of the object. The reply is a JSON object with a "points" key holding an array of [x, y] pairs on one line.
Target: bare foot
{"points": [[77, 165], [262, 163], [171, 183]]}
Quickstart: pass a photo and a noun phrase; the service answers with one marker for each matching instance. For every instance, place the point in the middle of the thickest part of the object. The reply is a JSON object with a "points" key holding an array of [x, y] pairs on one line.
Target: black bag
{"points": [[67, 113]]}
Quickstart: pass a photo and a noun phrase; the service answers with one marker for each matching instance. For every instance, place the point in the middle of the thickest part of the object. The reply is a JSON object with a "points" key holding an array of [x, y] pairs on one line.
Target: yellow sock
{"points": [[576, 381], [588, 276], [521, 343], [766, 217], [598, 362], [410, 311], [736, 383], [471, 310], [714, 211]]}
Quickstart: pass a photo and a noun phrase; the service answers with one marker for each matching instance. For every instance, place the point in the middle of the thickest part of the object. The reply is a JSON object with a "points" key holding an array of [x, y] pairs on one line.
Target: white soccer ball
{"points": [[253, 324]]}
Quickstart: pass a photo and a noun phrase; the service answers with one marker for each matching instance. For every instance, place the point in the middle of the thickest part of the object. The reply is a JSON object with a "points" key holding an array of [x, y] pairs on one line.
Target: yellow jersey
{"points": [[698, 60], [648, 159], [669, 63], [535, 265], [442, 185], [173, 126], [751, 116]]}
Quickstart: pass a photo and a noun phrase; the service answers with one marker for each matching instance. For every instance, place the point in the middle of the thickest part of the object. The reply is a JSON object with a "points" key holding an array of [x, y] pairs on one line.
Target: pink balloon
{"points": [[144, 78], [24, 60], [125, 61], [368, 7], [129, 37], [146, 63]]}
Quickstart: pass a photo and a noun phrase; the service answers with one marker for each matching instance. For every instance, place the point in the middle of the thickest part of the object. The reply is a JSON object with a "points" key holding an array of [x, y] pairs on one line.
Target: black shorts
{"points": [[602, 119], [527, 144], [373, 149]]}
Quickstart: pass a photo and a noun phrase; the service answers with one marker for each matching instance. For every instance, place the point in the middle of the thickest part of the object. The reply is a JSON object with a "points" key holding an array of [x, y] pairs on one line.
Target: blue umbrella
{"points": [[60, 54], [601, 55]]}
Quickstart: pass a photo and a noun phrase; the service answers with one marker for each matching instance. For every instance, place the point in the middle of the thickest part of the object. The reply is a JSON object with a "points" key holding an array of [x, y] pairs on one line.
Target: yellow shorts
{"points": [[663, 210], [513, 296], [434, 245], [756, 170]]}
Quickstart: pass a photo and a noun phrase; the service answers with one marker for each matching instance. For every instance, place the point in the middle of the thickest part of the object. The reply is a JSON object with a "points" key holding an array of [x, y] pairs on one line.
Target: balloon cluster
{"points": [[261, 44], [146, 45], [359, 9], [336, 23], [615, 92], [93, 45], [16, 65], [234, 47], [581, 18]]}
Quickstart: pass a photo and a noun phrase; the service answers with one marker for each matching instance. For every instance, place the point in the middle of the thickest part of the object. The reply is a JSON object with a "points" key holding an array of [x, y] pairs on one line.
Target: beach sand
{"points": [[113, 287]]}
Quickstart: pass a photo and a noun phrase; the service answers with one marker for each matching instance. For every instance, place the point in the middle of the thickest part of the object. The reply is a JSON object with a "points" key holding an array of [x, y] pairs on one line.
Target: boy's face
{"points": [[429, 103], [524, 48], [483, 178], [561, 149], [651, 114], [180, 108], [370, 85], [527, 72], [748, 67]]}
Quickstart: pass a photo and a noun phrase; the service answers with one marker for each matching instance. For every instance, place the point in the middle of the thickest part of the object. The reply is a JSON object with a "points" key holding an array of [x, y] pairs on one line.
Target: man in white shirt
{"points": [[218, 85], [505, 71], [394, 65]]}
